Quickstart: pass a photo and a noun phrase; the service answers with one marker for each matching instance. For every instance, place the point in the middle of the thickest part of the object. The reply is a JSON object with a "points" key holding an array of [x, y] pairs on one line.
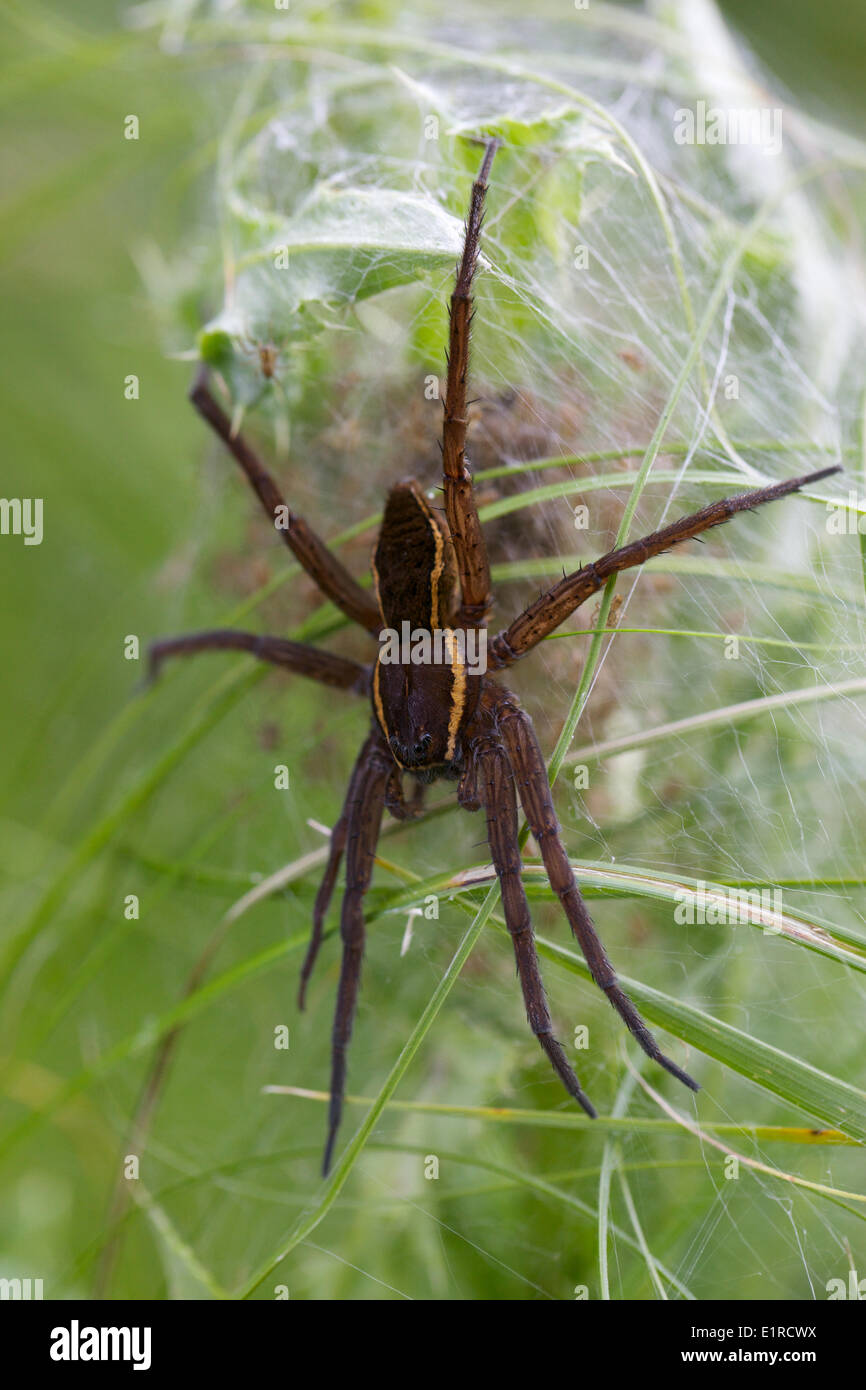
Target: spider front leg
{"points": [[494, 784], [363, 810], [542, 617], [460, 509], [333, 579], [530, 773]]}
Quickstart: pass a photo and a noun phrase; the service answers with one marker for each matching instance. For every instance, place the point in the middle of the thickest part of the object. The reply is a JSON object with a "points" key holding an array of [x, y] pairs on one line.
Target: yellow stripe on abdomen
{"points": [[458, 693]]}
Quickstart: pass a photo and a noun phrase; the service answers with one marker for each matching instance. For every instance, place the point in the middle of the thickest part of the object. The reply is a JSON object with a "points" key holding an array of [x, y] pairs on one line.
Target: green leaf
{"points": [[294, 273]]}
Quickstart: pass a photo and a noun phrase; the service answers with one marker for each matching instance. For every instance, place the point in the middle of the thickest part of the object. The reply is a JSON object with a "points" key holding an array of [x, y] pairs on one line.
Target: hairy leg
{"points": [[318, 665], [495, 783], [363, 810], [309, 549], [543, 616], [323, 898], [460, 509], [530, 773]]}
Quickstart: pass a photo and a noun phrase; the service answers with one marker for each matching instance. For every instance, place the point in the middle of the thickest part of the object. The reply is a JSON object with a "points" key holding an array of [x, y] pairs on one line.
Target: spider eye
{"points": [[410, 754]]}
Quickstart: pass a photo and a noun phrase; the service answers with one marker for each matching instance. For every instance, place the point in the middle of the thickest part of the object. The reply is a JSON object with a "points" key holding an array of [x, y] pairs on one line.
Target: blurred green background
{"points": [[111, 254]]}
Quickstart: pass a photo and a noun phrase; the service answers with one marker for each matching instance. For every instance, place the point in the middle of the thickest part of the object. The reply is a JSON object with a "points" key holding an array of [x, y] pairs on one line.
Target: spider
{"points": [[449, 718]]}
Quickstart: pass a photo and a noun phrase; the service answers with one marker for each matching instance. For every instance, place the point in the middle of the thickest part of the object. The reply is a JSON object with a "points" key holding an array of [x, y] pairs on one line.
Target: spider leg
{"points": [[495, 783], [309, 549], [395, 800], [416, 800], [530, 773], [335, 855], [319, 665], [468, 789], [363, 814], [323, 899], [460, 509], [543, 616]]}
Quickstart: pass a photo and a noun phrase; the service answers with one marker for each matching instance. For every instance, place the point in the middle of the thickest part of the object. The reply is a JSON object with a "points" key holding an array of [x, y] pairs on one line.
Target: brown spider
{"points": [[444, 718]]}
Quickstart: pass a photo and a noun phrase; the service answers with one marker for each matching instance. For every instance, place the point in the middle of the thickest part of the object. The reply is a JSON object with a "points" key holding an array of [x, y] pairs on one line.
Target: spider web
{"points": [[627, 279]]}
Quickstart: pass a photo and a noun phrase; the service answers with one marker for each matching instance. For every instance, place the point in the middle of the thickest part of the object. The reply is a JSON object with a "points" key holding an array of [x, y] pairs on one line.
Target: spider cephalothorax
{"points": [[436, 710]]}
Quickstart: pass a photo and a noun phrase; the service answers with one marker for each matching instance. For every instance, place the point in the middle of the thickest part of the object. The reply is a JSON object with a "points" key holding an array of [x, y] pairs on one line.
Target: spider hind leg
{"points": [[363, 810], [530, 773], [495, 786]]}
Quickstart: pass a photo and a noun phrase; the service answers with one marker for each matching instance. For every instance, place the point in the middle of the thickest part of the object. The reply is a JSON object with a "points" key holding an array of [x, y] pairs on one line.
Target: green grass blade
{"points": [[347, 1161]]}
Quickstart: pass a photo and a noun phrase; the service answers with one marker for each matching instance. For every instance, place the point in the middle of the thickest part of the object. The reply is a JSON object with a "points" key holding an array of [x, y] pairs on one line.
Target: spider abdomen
{"points": [[413, 569], [424, 688]]}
